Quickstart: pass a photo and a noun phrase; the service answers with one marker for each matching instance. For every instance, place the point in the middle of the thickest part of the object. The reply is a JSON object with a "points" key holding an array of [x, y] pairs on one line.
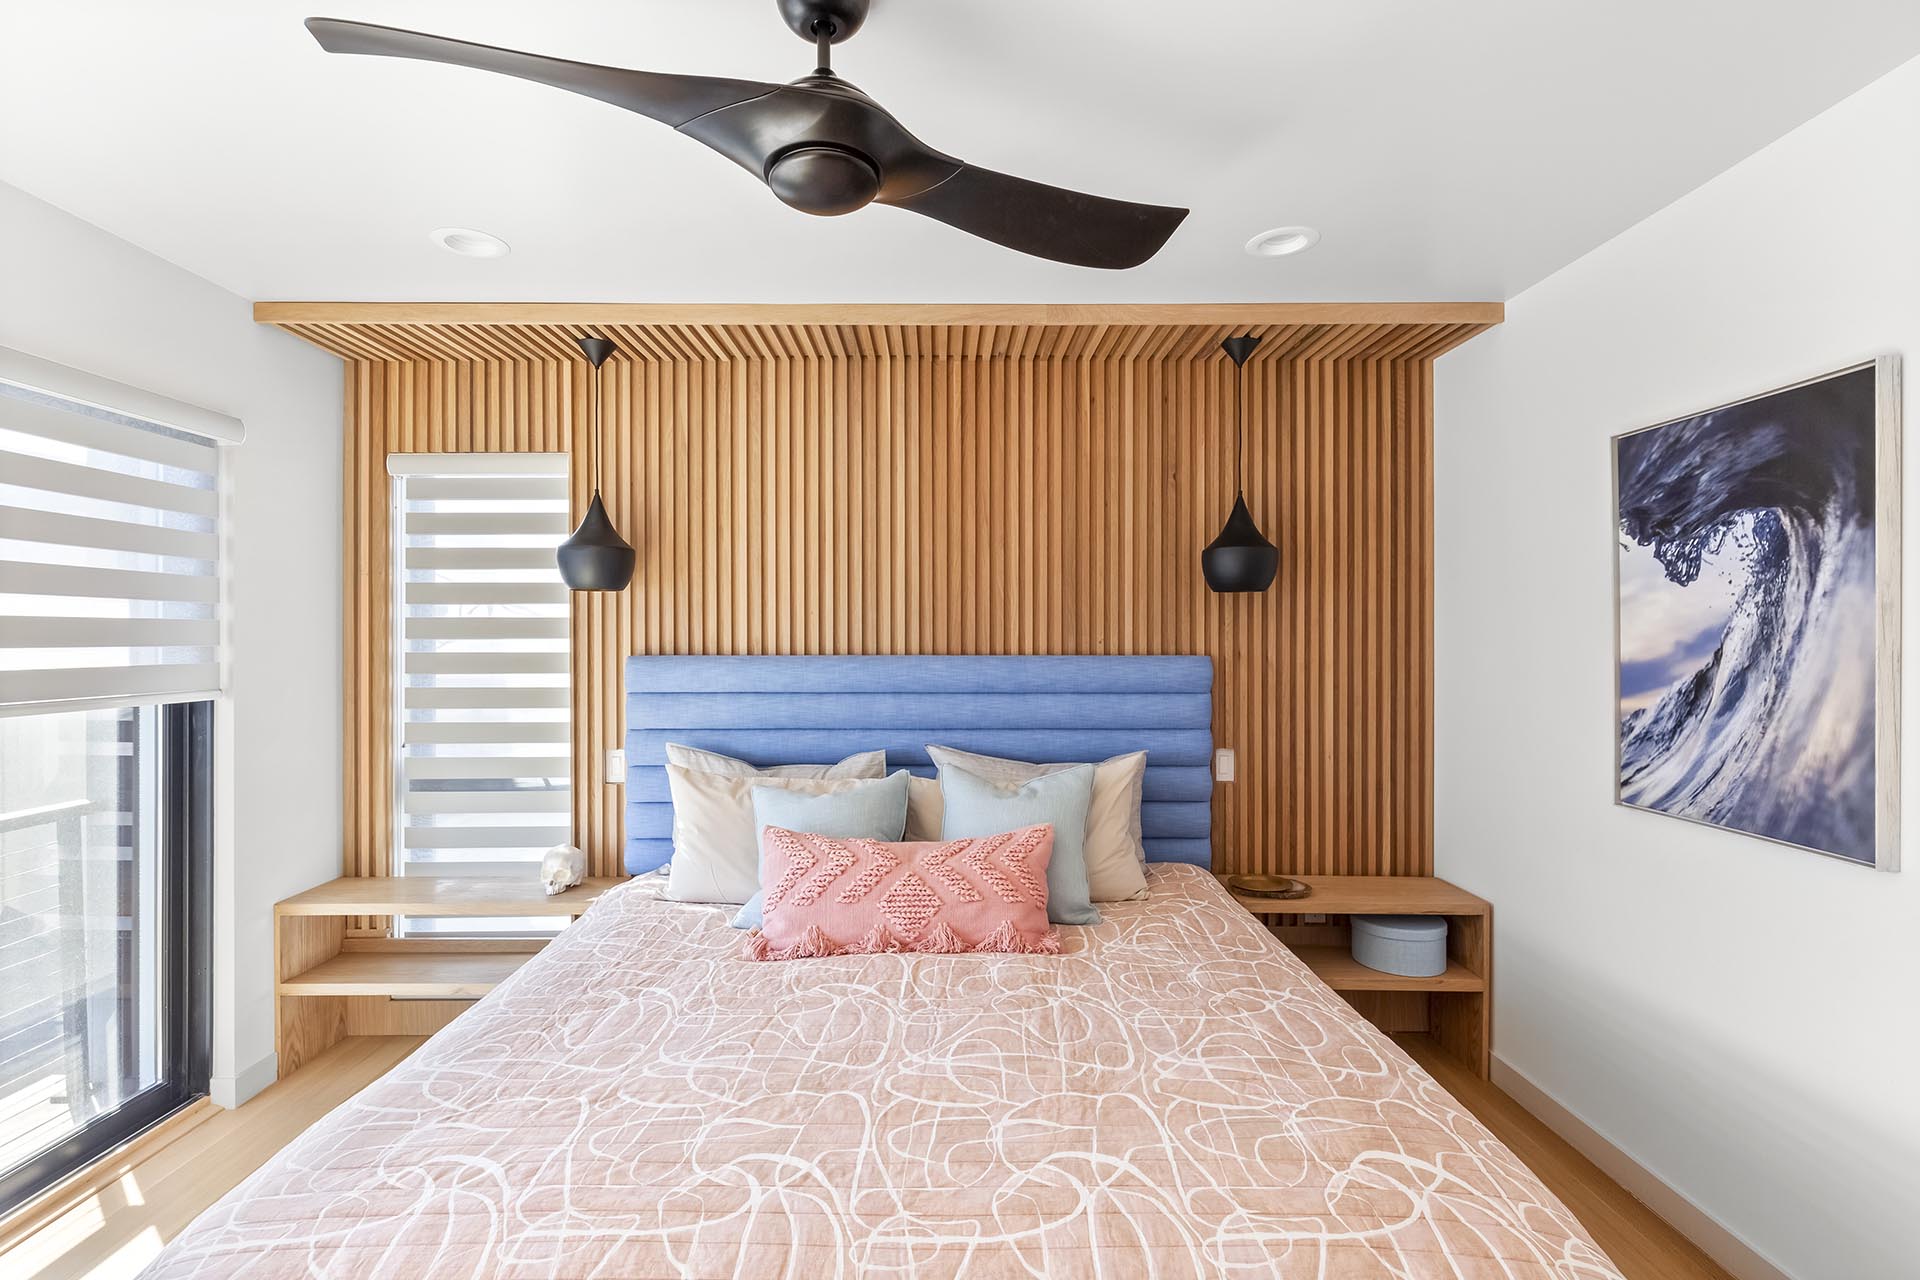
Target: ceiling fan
{"points": [[822, 145]]}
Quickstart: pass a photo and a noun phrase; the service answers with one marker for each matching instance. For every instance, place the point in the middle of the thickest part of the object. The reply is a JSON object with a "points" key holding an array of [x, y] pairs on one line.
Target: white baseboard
{"points": [[1684, 1216], [231, 1091]]}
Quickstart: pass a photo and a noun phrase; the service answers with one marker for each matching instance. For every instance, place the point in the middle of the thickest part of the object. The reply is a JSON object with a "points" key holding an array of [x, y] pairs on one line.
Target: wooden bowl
{"points": [[1268, 886]]}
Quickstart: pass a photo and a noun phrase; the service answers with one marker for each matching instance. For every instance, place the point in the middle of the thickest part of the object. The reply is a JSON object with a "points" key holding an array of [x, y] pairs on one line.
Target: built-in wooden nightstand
{"points": [[1455, 1008], [329, 986]]}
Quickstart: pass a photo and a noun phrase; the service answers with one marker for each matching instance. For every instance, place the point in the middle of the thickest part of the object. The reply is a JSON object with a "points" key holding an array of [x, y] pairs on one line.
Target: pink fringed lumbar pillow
{"points": [[828, 897]]}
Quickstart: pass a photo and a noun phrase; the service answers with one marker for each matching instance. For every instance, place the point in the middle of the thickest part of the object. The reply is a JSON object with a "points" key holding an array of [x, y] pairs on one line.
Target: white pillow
{"points": [[716, 852], [1116, 860], [864, 764]]}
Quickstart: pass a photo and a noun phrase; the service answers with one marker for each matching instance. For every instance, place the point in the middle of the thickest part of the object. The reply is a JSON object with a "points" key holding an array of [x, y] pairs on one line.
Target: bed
{"points": [[1176, 1094]]}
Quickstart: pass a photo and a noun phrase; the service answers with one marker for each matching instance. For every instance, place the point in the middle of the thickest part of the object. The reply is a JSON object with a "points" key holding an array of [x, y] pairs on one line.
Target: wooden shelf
{"points": [[329, 985], [1455, 1008], [519, 895], [452, 975], [1339, 970], [1371, 895]]}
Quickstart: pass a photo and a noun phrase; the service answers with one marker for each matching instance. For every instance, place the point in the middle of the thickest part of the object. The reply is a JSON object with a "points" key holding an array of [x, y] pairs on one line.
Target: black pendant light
{"points": [[596, 557], [1241, 558]]}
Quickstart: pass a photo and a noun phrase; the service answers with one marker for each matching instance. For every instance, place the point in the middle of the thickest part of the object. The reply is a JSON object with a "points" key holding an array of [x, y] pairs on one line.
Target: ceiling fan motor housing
{"points": [[806, 17], [824, 179]]}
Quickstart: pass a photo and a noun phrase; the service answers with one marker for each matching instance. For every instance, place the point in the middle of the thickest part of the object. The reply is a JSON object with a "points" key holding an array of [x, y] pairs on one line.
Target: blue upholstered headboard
{"points": [[814, 710]]}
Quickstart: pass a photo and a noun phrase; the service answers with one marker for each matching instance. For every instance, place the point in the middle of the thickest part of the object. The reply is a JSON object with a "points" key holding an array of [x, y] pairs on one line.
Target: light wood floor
{"points": [[139, 1204], [1640, 1243]]}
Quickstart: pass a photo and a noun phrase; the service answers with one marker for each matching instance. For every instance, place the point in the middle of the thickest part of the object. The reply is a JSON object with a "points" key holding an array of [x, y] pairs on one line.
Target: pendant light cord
{"points": [[596, 430], [1240, 419]]}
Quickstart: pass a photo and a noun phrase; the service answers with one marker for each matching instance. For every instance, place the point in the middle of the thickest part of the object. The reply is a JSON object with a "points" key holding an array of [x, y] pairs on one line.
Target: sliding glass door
{"points": [[104, 855], [110, 651]]}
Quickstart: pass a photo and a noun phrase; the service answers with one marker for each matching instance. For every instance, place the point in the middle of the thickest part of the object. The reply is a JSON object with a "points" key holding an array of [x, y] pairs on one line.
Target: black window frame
{"points": [[186, 981]]}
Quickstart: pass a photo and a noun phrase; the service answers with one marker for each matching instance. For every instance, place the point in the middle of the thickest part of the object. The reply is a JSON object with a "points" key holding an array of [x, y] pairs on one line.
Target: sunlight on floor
{"points": [[104, 1235], [84, 1241], [124, 1262]]}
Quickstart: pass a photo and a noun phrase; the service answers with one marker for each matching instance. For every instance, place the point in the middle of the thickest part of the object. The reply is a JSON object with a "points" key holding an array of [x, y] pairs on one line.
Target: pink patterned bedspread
{"points": [[1176, 1095]]}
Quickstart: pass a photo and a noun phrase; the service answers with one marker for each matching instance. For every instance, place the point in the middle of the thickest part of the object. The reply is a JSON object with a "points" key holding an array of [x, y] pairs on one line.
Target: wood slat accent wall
{"points": [[823, 488]]}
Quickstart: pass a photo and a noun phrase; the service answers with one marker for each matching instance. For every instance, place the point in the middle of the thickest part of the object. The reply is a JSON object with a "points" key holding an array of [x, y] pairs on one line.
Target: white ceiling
{"points": [[1447, 150]]}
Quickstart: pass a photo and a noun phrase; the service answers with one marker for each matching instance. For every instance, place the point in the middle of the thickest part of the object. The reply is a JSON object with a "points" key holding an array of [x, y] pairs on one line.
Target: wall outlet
{"points": [[616, 768], [1313, 917], [1223, 765]]}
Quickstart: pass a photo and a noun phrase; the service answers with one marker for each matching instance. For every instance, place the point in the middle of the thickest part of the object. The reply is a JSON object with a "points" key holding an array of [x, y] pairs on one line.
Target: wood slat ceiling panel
{"points": [[687, 343]]}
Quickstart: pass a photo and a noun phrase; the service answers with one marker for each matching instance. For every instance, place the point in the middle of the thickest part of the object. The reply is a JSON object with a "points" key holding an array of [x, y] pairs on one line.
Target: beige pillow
{"points": [[926, 809], [1116, 860], [716, 856], [865, 764]]}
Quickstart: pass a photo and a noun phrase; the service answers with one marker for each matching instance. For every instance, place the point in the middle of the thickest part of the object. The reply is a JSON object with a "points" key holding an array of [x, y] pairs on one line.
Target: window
{"points": [[484, 721], [109, 650]]}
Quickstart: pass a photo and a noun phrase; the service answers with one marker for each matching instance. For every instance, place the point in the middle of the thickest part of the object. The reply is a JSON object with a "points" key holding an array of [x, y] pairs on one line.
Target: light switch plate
{"points": [[616, 768], [1223, 765]]}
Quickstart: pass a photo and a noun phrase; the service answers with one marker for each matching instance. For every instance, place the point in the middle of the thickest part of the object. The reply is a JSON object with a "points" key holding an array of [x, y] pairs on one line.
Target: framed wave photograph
{"points": [[1757, 615]]}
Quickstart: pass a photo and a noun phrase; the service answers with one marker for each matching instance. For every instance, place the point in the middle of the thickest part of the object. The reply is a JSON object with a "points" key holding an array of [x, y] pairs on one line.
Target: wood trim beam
{"points": [[880, 313]]}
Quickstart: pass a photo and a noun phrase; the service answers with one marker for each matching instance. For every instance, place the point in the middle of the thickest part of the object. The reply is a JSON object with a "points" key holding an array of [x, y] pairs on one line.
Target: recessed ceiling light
{"points": [[1281, 241], [469, 243]]}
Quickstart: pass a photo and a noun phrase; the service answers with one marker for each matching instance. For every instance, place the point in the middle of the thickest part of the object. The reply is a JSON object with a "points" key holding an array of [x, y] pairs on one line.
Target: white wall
{"points": [[70, 292], [1741, 1018]]}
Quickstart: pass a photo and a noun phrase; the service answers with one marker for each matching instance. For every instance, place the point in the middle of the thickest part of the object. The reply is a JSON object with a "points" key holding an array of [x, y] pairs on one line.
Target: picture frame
{"points": [[1757, 555]]}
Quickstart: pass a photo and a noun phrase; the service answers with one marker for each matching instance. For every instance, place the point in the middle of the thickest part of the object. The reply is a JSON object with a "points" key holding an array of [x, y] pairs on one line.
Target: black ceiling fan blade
{"points": [[670, 99], [812, 122], [1048, 222]]}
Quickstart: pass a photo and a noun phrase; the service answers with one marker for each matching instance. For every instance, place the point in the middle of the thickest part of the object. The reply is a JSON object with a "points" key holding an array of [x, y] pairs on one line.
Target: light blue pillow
{"points": [[748, 916], [875, 810], [978, 807]]}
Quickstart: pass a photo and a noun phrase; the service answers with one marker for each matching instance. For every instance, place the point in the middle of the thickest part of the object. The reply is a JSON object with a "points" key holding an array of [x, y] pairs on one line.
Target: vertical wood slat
{"points": [[948, 490]]}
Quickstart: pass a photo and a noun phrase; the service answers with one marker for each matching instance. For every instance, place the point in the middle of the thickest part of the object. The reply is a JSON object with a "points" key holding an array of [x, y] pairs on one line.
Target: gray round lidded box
{"points": [[1411, 946]]}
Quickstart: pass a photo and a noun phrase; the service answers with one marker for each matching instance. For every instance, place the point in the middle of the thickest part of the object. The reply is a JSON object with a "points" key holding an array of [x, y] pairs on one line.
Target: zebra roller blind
{"points": [[109, 554], [484, 709]]}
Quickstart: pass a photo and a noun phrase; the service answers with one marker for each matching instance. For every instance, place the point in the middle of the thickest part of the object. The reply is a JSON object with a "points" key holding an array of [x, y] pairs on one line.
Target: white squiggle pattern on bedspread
{"points": [[1175, 1095]]}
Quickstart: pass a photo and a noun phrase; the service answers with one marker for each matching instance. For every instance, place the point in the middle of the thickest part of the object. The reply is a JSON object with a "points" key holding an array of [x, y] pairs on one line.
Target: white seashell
{"points": [[562, 868]]}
